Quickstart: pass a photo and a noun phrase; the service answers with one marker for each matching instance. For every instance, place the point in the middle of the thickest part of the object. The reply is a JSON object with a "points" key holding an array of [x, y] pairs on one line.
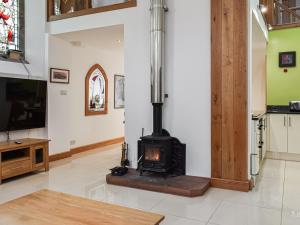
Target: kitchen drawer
{"points": [[16, 168]]}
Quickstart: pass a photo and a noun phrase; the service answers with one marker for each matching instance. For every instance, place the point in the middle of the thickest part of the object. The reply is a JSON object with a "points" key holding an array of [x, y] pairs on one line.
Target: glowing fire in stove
{"points": [[152, 154]]}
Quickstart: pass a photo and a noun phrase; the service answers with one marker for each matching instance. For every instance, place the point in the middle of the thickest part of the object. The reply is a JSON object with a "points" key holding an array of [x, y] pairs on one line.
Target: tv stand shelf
{"points": [[28, 156]]}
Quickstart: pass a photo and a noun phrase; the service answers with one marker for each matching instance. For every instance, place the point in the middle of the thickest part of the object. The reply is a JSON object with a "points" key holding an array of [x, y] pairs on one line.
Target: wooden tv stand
{"points": [[28, 156]]}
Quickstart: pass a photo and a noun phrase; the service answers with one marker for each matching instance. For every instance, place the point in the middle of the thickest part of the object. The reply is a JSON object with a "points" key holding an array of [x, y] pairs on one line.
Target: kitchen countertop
{"points": [[274, 109], [256, 115]]}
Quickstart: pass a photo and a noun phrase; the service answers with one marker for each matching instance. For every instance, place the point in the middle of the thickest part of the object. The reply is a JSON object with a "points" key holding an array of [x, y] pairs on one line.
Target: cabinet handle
{"points": [[284, 121], [290, 121]]}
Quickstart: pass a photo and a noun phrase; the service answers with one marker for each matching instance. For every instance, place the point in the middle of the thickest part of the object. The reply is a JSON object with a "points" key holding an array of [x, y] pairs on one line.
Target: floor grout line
{"points": [[156, 204], [210, 218], [283, 193], [182, 217], [252, 205]]}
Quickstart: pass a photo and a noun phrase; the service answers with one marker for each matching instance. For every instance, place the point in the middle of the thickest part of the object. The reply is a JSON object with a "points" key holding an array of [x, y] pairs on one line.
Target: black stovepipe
{"points": [[157, 119]]}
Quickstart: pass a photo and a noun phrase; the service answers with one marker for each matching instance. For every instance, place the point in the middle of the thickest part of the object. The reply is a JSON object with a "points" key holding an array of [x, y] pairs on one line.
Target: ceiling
{"points": [[106, 38]]}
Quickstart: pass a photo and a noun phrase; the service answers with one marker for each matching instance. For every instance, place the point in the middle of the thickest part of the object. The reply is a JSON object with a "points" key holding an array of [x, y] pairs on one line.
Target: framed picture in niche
{"points": [[61, 76], [287, 59], [67, 6], [82, 4], [96, 91], [119, 92], [101, 3]]}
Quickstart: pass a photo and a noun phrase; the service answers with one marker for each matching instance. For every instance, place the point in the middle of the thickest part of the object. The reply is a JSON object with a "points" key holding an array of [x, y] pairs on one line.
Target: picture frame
{"points": [[119, 92], [60, 76], [287, 59]]}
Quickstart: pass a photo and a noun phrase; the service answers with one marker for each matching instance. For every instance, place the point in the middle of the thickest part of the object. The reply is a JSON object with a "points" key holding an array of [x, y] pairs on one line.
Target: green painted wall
{"points": [[283, 87]]}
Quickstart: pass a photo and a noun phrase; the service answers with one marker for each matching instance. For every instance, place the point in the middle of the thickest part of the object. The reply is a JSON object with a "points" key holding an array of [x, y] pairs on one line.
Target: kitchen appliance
{"points": [[295, 106], [259, 145]]}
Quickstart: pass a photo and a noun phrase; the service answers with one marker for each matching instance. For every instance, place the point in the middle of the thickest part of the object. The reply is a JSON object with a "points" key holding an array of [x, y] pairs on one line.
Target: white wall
{"points": [[187, 111], [35, 22], [93, 129], [67, 120], [259, 68], [59, 106]]}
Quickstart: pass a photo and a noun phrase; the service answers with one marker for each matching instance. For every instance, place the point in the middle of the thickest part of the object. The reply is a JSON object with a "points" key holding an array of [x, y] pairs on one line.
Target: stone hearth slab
{"points": [[187, 186]]}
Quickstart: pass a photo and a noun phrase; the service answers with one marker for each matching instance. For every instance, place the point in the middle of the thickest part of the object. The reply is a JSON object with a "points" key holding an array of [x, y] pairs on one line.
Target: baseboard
{"points": [[243, 186], [59, 156], [97, 145], [85, 148], [283, 156]]}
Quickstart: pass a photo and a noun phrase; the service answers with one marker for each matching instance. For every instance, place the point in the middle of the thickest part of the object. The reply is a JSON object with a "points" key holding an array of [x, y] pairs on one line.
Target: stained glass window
{"points": [[97, 91], [9, 25]]}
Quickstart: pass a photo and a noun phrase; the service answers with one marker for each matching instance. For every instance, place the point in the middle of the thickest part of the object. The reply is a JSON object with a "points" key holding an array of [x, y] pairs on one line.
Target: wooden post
{"points": [[229, 94]]}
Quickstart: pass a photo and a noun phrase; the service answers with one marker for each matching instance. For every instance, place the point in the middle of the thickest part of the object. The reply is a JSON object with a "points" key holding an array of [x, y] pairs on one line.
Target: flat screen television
{"points": [[22, 104]]}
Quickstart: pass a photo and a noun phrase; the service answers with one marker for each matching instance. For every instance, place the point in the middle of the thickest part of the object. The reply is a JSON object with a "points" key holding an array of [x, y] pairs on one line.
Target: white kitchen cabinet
{"points": [[293, 133], [278, 131]]}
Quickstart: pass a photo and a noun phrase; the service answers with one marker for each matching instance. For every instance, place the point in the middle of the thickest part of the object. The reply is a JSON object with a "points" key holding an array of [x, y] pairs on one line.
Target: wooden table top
{"points": [[6, 145], [51, 208]]}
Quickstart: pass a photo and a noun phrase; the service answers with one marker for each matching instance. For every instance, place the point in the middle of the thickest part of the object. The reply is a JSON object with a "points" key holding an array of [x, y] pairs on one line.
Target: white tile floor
{"points": [[275, 201]]}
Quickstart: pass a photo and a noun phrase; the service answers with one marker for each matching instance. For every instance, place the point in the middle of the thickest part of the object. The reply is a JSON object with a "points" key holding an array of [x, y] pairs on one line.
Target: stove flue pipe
{"points": [[158, 10]]}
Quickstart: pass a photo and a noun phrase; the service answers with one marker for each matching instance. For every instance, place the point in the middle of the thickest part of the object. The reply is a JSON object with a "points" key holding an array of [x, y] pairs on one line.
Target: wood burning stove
{"points": [[156, 153], [159, 152]]}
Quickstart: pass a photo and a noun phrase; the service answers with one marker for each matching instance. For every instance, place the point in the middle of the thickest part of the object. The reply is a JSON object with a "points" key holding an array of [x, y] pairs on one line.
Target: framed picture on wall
{"points": [[119, 92], [287, 59], [61, 76]]}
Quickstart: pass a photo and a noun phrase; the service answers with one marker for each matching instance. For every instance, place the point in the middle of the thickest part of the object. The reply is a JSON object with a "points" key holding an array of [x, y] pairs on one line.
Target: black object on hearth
{"points": [[119, 171]]}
